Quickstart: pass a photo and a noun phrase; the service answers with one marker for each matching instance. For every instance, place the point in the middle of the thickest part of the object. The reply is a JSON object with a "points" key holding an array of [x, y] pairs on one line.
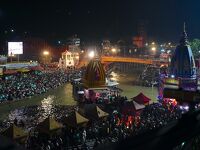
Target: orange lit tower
{"points": [[95, 76]]}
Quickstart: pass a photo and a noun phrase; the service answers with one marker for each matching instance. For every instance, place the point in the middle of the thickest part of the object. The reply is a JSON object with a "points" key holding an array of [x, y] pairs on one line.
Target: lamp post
{"points": [[91, 54], [114, 51], [46, 54]]}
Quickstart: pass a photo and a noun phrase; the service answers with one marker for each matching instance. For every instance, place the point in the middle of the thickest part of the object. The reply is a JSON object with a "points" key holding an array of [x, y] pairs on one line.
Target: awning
{"points": [[14, 132]]}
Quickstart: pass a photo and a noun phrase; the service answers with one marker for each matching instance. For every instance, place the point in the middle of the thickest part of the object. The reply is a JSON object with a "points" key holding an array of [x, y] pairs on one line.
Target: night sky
{"points": [[98, 19]]}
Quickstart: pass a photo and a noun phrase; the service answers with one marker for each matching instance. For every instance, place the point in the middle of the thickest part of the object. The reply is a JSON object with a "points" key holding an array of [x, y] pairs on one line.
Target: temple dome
{"points": [[182, 63], [94, 75]]}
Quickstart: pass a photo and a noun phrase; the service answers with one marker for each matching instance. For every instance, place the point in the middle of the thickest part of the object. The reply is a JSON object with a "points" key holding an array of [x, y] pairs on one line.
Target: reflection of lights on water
{"points": [[115, 76], [17, 114], [47, 104], [185, 107]]}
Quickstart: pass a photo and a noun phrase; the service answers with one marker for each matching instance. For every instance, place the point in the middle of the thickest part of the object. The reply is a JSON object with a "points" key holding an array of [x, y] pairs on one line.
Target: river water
{"points": [[63, 94]]}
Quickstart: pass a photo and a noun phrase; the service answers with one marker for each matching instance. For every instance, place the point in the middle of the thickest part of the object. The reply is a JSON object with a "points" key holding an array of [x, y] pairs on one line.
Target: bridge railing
{"points": [[126, 59]]}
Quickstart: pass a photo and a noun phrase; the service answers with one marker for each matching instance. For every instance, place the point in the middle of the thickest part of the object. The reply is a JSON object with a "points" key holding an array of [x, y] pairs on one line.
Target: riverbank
{"points": [[63, 94], [60, 96]]}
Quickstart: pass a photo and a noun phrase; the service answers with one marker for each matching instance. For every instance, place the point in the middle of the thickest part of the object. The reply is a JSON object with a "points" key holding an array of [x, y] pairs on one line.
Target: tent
{"points": [[93, 112], [138, 106], [48, 125], [75, 119], [128, 108], [131, 108], [141, 99], [14, 132]]}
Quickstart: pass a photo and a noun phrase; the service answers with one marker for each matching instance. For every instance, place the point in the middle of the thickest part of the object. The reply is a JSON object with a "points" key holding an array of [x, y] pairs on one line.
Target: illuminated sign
{"points": [[15, 48], [171, 81]]}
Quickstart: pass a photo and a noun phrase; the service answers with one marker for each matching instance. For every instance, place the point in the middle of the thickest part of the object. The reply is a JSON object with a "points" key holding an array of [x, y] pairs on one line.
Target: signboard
{"points": [[15, 48], [171, 81]]}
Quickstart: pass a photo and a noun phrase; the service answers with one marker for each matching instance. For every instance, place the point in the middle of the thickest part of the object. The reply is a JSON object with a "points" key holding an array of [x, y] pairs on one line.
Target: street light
{"points": [[91, 54], [113, 50], [45, 53], [153, 49]]}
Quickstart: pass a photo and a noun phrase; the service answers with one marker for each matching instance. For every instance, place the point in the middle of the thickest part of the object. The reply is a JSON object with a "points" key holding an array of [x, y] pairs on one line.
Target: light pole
{"points": [[46, 54], [91, 54], [114, 51]]}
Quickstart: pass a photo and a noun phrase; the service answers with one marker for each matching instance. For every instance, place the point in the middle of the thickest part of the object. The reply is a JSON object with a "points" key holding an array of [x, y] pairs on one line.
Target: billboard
{"points": [[15, 48]]}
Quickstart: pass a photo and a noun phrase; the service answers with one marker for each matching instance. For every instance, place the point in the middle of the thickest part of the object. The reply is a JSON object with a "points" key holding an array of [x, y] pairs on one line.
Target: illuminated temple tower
{"points": [[93, 82], [95, 76], [183, 64], [182, 83]]}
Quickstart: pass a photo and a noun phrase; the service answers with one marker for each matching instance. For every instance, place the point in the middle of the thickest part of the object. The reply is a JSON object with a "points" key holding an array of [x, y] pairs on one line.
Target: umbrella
{"points": [[93, 112], [14, 132], [48, 125], [75, 119]]}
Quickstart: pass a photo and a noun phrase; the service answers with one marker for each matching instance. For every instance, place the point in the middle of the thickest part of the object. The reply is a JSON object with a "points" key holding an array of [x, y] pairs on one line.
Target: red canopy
{"points": [[7, 72], [141, 99], [128, 108]]}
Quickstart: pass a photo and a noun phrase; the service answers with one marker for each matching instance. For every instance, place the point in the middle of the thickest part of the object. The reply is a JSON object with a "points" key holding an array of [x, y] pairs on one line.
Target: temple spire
{"points": [[184, 39]]}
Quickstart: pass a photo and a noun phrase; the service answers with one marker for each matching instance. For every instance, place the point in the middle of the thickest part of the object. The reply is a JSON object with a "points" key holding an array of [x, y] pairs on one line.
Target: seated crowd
{"points": [[24, 85], [115, 127]]}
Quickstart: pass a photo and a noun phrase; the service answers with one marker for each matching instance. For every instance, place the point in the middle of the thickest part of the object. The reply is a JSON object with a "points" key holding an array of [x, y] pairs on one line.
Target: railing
{"points": [[105, 59], [126, 59]]}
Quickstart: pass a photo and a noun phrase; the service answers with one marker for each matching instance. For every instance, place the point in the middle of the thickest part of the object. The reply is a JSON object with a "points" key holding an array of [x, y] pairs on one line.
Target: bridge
{"points": [[111, 59]]}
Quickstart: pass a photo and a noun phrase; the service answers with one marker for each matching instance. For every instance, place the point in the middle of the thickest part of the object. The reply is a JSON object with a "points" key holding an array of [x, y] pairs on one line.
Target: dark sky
{"points": [[101, 18]]}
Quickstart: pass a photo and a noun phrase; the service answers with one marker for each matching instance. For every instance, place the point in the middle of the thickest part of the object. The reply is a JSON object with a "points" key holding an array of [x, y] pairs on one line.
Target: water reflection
{"points": [[114, 76], [47, 104], [63, 96], [32, 115]]}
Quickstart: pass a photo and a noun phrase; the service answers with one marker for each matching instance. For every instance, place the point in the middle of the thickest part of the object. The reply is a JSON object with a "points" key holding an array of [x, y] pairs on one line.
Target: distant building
{"points": [[73, 44], [69, 59], [139, 41], [106, 47]]}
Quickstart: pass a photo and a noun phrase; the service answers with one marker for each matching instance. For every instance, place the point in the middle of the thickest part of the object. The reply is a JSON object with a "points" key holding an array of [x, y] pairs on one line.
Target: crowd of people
{"points": [[116, 127], [23, 85]]}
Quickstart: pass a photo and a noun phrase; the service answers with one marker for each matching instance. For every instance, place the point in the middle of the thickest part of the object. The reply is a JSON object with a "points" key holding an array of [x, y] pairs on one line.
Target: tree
{"points": [[195, 46]]}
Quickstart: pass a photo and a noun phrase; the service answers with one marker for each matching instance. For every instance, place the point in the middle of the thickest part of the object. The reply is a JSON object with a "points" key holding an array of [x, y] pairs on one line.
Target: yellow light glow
{"points": [[171, 81], [113, 50], [45, 52], [153, 49], [91, 54]]}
